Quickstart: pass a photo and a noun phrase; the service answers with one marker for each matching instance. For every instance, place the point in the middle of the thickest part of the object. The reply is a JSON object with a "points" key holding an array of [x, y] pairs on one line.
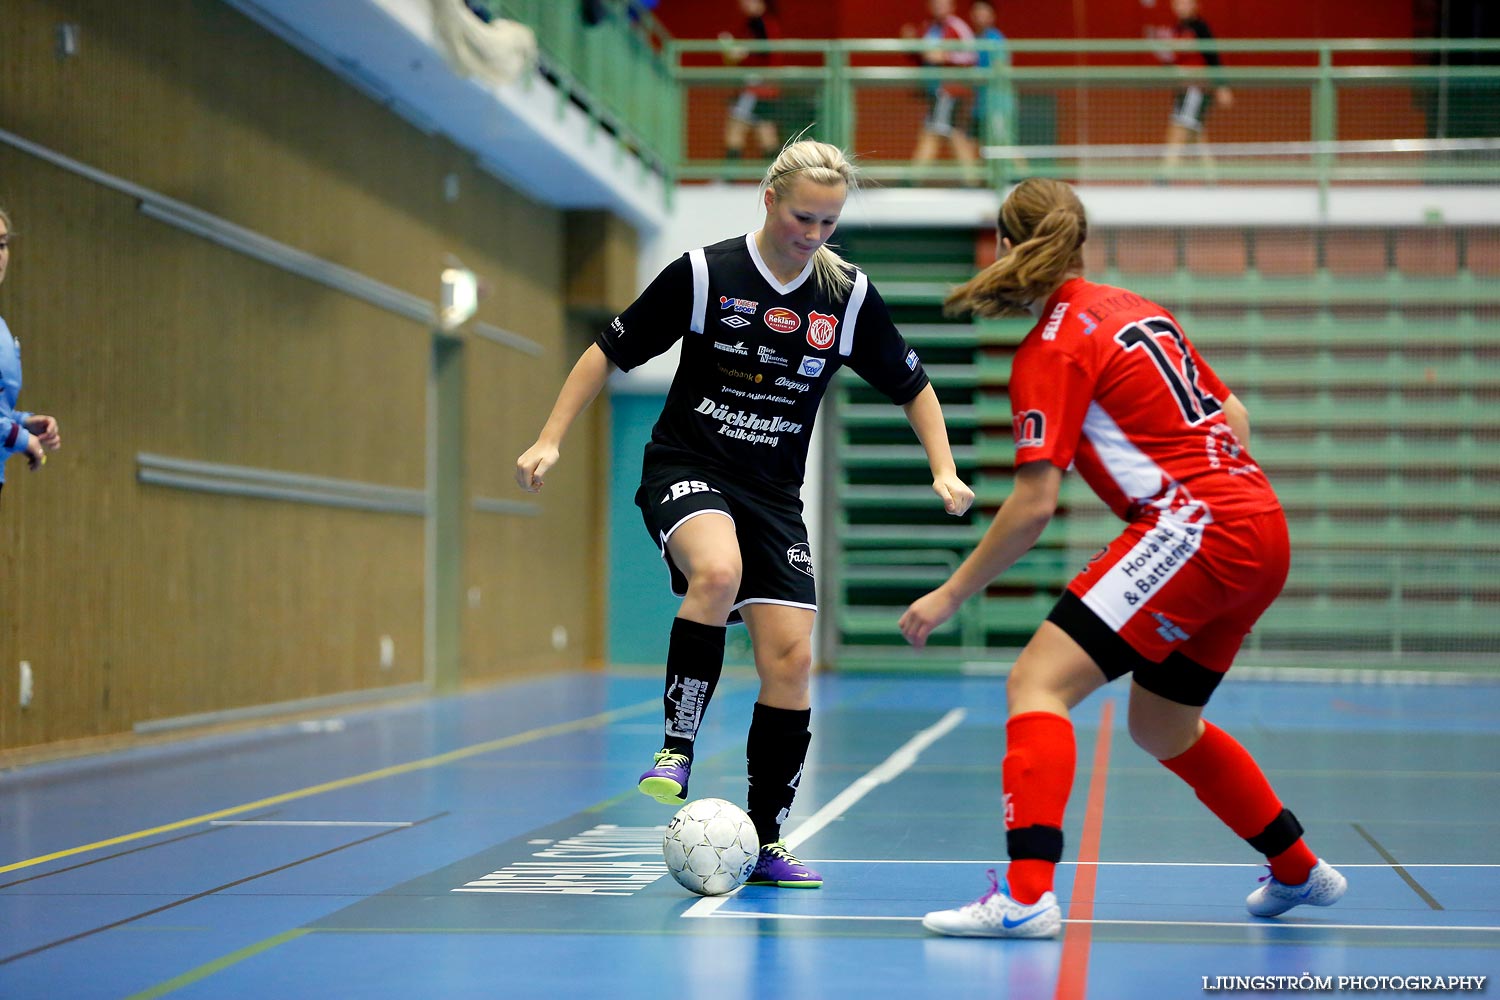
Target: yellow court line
{"points": [[589, 722]]}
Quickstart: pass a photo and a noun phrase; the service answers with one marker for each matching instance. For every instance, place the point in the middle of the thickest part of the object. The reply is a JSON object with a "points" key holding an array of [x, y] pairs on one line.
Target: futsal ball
{"points": [[710, 847]]}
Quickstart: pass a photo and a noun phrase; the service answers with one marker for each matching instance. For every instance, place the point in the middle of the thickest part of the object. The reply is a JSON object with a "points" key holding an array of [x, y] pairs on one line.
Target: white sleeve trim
{"points": [[700, 289], [856, 299]]}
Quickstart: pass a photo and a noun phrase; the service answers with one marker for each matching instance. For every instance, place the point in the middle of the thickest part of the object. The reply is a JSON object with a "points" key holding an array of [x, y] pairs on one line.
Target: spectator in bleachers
{"points": [[994, 119], [755, 108], [32, 434], [1190, 105], [952, 104]]}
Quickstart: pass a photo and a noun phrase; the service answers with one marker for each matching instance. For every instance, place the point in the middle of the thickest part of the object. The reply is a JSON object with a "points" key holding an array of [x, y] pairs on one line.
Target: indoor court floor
{"points": [[493, 845]]}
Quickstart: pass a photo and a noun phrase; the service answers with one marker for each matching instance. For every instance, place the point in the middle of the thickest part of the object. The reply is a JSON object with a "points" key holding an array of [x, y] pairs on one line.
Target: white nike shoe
{"points": [[995, 914], [1324, 887]]}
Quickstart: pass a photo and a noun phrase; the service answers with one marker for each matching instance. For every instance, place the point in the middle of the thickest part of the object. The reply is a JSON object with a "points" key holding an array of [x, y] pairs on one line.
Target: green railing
{"points": [[1319, 112], [613, 69]]}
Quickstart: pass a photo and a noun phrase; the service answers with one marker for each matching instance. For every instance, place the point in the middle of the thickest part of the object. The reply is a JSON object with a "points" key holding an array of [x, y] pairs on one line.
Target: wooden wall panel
{"points": [[137, 602]]}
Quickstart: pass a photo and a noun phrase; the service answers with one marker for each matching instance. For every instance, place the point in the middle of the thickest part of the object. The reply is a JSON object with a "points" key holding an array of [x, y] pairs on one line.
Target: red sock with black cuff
{"points": [[1227, 780], [1040, 756]]}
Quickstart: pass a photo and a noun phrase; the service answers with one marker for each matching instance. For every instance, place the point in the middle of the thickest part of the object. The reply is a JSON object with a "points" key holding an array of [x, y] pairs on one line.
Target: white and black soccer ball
{"points": [[710, 847]]}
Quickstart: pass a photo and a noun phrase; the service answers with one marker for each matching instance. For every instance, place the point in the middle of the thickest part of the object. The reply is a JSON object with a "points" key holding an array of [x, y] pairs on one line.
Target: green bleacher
{"points": [[1373, 401]]}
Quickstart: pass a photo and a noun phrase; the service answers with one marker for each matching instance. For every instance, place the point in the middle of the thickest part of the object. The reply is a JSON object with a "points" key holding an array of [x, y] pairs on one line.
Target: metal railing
{"points": [[1304, 111]]}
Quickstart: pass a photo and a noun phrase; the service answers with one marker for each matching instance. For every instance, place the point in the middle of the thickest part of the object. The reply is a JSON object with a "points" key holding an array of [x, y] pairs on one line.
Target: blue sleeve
{"points": [[13, 437]]}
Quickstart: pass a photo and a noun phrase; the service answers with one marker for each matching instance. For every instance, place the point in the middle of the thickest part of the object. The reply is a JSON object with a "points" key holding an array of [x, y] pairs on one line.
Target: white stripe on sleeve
{"points": [[856, 299], [700, 289]]}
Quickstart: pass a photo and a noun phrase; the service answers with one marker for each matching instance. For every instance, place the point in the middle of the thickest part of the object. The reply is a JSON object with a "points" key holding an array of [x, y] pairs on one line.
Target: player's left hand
{"points": [[45, 429], [957, 497], [925, 614]]}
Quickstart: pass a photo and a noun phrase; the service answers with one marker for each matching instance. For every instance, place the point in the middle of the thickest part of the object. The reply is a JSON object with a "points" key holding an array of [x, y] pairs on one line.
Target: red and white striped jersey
{"points": [[1108, 383]]}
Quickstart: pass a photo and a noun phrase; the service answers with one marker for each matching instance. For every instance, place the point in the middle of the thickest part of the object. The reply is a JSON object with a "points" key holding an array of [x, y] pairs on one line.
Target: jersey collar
{"points": [[765, 272]]}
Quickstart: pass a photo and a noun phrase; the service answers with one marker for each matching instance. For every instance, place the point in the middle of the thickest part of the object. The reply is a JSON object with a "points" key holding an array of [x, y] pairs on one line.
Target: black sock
{"points": [[774, 754], [695, 659]]}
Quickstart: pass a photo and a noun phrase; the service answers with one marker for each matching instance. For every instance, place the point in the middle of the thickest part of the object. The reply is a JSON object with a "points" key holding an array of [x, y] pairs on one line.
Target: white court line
{"points": [[888, 769], [1246, 924], [1129, 864], [307, 822]]}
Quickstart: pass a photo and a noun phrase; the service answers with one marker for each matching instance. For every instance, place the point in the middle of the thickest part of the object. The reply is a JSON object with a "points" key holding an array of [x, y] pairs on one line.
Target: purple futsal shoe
{"points": [[667, 781], [777, 866]]}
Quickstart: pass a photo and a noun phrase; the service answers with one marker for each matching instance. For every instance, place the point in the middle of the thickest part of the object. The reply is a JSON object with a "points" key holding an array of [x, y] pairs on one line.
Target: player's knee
{"points": [[787, 661], [717, 580]]}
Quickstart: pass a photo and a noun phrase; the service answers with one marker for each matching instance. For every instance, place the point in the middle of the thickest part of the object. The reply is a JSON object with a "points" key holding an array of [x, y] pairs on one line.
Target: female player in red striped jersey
{"points": [[1107, 382]]}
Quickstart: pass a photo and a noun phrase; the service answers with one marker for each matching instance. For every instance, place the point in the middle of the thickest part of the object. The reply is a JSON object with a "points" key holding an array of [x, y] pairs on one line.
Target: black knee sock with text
{"points": [[774, 754], [695, 659]]}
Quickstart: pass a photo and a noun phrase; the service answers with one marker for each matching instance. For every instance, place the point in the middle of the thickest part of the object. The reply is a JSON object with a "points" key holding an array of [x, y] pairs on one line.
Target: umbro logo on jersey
{"points": [[734, 320], [738, 305], [782, 320], [811, 367], [735, 348], [820, 329]]}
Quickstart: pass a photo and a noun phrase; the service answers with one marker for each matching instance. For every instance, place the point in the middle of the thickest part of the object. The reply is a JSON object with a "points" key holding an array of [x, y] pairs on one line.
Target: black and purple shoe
{"points": [[667, 781], [777, 866]]}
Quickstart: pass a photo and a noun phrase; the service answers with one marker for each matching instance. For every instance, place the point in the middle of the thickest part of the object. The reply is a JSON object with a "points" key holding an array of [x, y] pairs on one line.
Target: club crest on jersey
{"points": [[782, 319], [1030, 428], [738, 305], [1055, 321], [820, 329], [811, 367]]}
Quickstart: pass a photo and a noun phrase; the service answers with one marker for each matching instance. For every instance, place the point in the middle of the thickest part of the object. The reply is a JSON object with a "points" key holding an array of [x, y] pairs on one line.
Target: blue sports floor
{"points": [[492, 845]]}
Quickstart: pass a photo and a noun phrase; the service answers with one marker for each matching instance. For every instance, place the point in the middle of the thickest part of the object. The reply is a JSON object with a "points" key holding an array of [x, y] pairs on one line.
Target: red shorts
{"points": [[1167, 587]]}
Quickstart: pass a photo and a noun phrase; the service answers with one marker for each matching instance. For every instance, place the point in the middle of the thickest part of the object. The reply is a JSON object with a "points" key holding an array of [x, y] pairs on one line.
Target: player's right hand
{"points": [[35, 456], [925, 614], [533, 465]]}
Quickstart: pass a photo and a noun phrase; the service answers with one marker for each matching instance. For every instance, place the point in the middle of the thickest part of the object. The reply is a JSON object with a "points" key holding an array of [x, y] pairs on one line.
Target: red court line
{"points": [[1073, 976]]}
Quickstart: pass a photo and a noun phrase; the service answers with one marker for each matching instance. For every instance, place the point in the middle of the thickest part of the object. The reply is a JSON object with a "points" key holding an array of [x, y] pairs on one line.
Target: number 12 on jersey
{"points": [[1164, 343]]}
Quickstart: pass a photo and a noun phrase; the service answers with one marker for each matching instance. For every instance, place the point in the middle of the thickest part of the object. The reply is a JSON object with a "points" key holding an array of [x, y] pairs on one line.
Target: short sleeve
{"points": [[1050, 394], [879, 353], [655, 321]]}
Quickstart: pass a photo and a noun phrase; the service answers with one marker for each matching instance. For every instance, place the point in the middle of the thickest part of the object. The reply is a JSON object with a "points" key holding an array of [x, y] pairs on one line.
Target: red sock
{"points": [[1039, 757], [1228, 781]]}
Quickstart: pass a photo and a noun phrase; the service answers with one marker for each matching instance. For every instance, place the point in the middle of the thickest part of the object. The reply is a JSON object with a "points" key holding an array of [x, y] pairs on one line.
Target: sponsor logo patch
{"points": [[786, 383], [912, 360], [735, 348], [617, 326], [738, 305], [734, 321], [1049, 332], [737, 373], [820, 329], [811, 367], [768, 355], [782, 320], [688, 486], [1030, 427], [800, 558]]}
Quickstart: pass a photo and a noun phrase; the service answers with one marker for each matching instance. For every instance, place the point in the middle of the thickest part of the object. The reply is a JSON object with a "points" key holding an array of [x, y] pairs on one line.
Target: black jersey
{"points": [[757, 357]]}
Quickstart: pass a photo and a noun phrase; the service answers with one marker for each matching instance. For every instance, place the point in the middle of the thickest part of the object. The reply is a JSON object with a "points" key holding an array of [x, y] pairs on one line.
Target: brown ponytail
{"points": [[1046, 225]]}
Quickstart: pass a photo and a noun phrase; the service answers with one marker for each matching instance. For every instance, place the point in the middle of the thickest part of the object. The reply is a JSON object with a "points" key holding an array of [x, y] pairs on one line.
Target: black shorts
{"points": [[774, 551], [1190, 108]]}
